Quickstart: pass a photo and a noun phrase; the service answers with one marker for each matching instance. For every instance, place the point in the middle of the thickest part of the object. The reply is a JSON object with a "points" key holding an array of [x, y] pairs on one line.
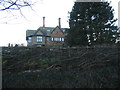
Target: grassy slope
{"points": [[80, 68]]}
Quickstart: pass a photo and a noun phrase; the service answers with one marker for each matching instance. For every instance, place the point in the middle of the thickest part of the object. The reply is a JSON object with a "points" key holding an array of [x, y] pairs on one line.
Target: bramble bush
{"points": [[83, 67]]}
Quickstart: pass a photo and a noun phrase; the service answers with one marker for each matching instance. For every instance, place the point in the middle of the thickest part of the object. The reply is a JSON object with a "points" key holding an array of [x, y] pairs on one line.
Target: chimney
{"points": [[59, 21], [118, 14], [43, 21]]}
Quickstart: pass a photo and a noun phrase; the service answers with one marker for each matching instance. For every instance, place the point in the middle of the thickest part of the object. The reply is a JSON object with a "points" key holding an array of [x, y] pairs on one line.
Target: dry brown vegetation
{"points": [[79, 67]]}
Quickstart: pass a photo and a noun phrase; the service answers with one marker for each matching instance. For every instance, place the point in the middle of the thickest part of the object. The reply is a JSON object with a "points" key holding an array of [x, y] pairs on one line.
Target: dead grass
{"points": [[93, 67]]}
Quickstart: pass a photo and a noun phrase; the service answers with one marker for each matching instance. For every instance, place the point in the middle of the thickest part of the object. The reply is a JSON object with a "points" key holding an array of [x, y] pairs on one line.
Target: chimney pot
{"points": [[59, 21], [43, 21]]}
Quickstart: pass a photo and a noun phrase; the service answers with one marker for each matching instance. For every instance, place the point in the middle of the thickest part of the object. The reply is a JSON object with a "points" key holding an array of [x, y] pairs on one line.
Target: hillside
{"points": [[42, 67]]}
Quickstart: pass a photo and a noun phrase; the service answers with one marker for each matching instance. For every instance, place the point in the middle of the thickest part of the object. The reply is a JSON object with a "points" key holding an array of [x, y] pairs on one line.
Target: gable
{"points": [[57, 32], [47, 31], [38, 32]]}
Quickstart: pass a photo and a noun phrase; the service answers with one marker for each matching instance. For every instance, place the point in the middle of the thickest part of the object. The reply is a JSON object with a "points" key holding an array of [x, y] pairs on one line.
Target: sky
{"points": [[13, 25]]}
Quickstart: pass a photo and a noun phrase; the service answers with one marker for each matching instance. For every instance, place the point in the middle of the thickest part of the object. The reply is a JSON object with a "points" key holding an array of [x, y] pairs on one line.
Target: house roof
{"points": [[45, 30], [62, 30], [30, 32]]}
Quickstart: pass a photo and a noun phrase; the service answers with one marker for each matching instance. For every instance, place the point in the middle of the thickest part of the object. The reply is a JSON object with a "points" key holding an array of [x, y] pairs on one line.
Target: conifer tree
{"points": [[91, 23]]}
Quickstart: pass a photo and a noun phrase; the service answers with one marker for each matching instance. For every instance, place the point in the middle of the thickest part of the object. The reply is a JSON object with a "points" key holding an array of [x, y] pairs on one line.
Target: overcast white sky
{"points": [[13, 26]]}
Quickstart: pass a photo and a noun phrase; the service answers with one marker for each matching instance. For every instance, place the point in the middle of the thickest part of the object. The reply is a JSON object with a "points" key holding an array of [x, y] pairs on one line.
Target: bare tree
{"points": [[13, 9], [13, 4]]}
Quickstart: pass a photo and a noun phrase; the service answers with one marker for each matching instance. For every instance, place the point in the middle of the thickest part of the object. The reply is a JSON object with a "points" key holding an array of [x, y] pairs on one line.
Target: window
{"points": [[48, 30], [39, 38], [52, 39], [62, 39], [57, 39], [29, 39]]}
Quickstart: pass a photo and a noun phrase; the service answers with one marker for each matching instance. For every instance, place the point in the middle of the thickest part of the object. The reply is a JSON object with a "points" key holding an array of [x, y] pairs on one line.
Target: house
{"points": [[46, 36]]}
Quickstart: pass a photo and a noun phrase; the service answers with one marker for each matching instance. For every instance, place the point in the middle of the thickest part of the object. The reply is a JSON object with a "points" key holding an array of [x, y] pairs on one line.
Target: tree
{"points": [[91, 23], [13, 4], [13, 9]]}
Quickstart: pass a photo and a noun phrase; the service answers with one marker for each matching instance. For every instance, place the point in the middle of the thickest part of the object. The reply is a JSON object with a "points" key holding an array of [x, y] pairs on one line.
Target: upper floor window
{"points": [[29, 39], [39, 38], [48, 30]]}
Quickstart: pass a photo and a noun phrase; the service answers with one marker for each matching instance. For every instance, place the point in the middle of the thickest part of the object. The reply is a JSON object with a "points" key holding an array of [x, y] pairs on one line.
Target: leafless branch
{"points": [[13, 4]]}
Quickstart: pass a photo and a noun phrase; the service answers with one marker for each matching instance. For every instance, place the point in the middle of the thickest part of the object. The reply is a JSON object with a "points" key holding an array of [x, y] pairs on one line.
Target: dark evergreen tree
{"points": [[91, 23]]}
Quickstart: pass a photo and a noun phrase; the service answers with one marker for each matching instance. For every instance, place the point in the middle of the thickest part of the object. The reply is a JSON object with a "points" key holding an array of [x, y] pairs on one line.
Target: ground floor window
{"points": [[57, 39], [62, 39], [52, 39], [29, 39], [39, 38]]}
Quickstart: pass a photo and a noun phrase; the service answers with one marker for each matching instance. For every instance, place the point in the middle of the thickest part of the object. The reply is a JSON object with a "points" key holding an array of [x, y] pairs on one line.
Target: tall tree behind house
{"points": [[91, 23]]}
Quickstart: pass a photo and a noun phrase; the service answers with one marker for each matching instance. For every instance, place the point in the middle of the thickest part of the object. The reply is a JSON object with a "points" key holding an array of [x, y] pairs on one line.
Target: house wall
{"points": [[56, 43], [34, 41], [34, 38], [57, 33], [47, 42]]}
